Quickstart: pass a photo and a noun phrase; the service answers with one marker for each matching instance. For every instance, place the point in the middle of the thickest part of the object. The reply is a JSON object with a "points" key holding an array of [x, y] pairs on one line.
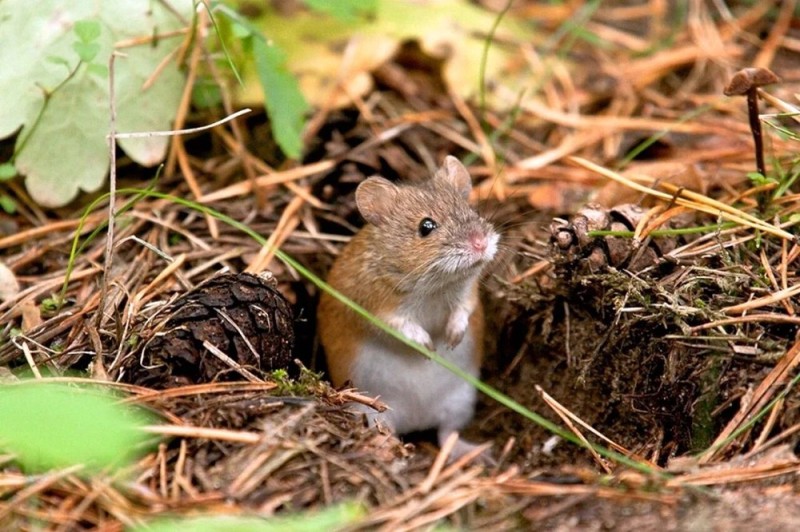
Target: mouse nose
{"points": [[478, 242]]}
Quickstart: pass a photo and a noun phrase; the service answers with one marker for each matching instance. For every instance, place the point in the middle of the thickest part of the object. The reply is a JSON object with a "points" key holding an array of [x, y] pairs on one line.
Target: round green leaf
{"points": [[87, 30], [49, 425], [87, 51]]}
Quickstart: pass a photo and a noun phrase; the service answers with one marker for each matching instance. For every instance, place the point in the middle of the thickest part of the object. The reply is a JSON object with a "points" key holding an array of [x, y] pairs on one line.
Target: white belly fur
{"points": [[420, 394]]}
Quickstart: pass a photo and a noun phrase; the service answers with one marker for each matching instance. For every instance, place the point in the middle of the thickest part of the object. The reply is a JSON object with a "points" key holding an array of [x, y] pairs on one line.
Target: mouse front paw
{"points": [[456, 328], [454, 337], [413, 331], [423, 338]]}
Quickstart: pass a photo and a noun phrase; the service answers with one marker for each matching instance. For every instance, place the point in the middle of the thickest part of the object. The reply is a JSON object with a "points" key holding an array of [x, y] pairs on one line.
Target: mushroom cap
{"points": [[748, 79]]}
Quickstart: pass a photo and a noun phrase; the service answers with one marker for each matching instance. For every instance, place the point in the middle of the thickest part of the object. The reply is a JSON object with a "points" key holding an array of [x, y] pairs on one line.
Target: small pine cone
{"points": [[572, 247]]}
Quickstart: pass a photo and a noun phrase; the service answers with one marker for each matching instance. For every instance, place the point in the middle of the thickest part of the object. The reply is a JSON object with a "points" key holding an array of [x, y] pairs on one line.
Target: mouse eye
{"points": [[426, 227]]}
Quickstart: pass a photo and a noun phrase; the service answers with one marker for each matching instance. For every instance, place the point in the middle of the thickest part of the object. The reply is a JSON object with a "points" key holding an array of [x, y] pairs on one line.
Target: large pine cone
{"points": [[233, 327]]}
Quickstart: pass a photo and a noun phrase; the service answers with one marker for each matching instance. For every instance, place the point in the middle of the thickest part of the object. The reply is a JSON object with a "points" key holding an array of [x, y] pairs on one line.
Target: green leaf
{"points": [[757, 179], [7, 171], [56, 60], [331, 518], [8, 204], [87, 51], [87, 30], [285, 103], [62, 148], [49, 425], [100, 71], [50, 304], [240, 31], [70, 137], [344, 10]]}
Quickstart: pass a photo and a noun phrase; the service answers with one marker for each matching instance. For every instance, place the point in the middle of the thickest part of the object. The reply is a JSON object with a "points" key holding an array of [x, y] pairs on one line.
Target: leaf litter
{"points": [[686, 363]]}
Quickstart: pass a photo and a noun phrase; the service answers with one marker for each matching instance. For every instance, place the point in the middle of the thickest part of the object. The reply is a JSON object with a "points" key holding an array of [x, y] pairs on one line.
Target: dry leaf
{"points": [[9, 286], [334, 59]]}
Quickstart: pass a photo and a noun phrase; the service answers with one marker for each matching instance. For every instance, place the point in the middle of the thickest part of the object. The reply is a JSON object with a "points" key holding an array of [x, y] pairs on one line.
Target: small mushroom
{"points": [[746, 82]]}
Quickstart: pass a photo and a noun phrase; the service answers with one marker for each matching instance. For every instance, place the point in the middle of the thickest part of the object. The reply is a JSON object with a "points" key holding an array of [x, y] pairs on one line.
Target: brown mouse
{"points": [[416, 266]]}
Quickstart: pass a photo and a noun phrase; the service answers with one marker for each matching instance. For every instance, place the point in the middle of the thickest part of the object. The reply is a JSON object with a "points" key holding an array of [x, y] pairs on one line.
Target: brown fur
{"points": [[341, 330]]}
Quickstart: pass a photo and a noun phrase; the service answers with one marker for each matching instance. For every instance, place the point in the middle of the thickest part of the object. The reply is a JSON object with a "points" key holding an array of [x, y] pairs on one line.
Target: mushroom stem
{"points": [[755, 128]]}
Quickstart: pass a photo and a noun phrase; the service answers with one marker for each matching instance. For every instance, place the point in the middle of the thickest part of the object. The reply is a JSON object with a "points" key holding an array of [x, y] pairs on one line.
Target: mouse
{"points": [[416, 265]]}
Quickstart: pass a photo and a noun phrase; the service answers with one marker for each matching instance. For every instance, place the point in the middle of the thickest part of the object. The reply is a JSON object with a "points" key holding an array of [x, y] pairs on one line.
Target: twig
{"points": [[112, 192], [772, 441], [562, 413], [214, 350], [439, 463], [29, 357], [765, 318], [37, 486], [187, 431], [538, 267], [176, 132], [779, 29], [770, 424], [147, 396], [246, 187], [52, 227], [771, 299], [287, 223]]}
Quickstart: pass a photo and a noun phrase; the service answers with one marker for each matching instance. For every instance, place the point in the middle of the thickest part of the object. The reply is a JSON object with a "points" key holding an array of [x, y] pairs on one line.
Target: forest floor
{"points": [[677, 349]]}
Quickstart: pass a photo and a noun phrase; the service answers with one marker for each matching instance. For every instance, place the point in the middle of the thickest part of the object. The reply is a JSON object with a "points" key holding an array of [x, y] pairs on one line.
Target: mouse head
{"points": [[428, 231], [377, 197]]}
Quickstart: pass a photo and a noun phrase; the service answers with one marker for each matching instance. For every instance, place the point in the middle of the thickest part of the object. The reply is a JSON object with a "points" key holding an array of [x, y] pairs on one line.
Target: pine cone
{"points": [[573, 247], [243, 316]]}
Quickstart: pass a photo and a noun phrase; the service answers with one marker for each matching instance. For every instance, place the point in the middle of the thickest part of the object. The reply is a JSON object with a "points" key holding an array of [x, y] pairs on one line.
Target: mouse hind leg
{"points": [[452, 422], [464, 447], [456, 414]]}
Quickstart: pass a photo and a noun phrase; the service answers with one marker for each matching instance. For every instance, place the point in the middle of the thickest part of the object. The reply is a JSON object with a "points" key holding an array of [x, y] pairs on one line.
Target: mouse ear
{"points": [[455, 174], [375, 199]]}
